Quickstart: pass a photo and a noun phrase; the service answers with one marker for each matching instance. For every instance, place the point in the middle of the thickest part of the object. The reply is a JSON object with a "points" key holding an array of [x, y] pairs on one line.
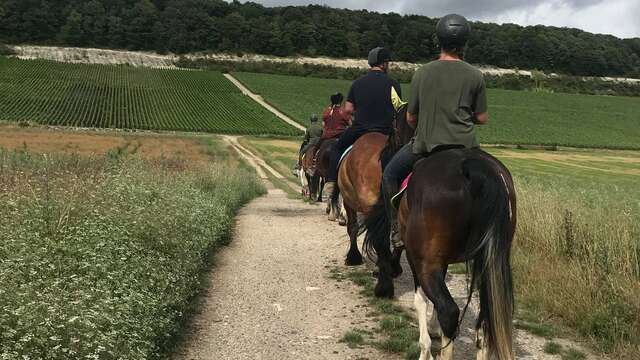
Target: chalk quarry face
{"points": [[154, 60]]}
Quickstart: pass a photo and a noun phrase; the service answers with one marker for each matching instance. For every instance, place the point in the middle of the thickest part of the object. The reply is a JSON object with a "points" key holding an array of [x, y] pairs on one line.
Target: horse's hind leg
{"points": [[343, 210], [384, 286], [313, 188], [422, 304], [354, 257], [432, 282], [481, 345]]}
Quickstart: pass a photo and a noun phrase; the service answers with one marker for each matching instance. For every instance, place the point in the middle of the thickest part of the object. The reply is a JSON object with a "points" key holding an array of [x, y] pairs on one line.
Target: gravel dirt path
{"points": [[270, 293]]}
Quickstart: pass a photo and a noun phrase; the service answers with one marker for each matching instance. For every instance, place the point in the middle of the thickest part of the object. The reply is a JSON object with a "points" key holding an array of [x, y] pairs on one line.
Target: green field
{"points": [[110, 96], [517, 117]]}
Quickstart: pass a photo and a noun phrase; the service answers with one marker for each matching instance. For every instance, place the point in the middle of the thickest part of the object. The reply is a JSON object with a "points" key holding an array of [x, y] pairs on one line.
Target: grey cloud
{"points": [[434, 8], [575, 13]]}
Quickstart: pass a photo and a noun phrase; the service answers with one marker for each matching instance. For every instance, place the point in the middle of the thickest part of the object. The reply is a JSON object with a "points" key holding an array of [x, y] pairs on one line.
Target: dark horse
{"points": [[360, 177], [460, 206], [314, 165]]}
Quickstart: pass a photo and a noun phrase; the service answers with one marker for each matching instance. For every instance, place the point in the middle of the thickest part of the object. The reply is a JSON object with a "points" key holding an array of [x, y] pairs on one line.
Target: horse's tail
{"points": [[489, 248], [378, 229]]}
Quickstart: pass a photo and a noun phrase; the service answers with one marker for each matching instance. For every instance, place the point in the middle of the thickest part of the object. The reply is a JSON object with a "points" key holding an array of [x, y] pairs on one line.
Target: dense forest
{"points": [[214, 25]]}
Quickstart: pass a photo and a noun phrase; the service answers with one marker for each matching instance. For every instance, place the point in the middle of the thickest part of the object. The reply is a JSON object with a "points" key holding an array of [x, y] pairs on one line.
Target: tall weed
{"points": [[101, 256], [577, 259]]}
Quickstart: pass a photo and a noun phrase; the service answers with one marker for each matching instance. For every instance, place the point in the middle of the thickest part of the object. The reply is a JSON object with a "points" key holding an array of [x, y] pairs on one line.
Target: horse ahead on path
{"points": [[459, 206], [360, 178], [314, 168]]}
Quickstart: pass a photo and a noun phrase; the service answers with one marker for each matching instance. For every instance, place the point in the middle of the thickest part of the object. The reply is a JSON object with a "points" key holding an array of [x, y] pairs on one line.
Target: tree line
{"points": [[182, 26]]}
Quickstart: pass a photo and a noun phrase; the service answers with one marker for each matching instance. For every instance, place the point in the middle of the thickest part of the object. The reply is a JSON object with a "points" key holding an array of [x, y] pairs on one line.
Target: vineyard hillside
{"points": [[517, 117], [120, 96]]}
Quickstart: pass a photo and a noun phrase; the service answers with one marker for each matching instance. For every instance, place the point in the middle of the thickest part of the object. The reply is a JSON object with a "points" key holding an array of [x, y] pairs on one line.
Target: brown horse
{"points": [[460, 206], [360, 178], [313, 169], [306, 174], [322, 163]]}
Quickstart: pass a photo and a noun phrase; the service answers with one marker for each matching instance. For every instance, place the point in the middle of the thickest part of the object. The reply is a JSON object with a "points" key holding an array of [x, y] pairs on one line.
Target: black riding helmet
{"points": [[379, 56], [453, 30], [336, 99], [314, 118]]}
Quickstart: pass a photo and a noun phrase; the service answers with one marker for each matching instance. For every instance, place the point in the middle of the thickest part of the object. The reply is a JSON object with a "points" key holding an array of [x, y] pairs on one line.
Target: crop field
{"points": [[110, 96], [517, 117]]}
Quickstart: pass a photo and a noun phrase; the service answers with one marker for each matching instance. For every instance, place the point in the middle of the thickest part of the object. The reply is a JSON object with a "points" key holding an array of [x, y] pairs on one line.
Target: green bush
{"points": [[101, 257]]}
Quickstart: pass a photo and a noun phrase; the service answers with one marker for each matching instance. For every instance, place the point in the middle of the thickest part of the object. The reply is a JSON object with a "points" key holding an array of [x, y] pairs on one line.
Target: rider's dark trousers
{"points": [[347, 139], [397, 170]]}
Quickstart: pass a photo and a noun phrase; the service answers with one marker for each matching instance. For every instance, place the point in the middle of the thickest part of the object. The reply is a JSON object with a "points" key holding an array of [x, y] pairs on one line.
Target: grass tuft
{"points": [[552, 348]]}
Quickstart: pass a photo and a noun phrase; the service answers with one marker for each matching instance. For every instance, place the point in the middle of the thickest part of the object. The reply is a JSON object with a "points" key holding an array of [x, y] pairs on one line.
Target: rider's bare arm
{"points": [[412, 120], [481, 118]]}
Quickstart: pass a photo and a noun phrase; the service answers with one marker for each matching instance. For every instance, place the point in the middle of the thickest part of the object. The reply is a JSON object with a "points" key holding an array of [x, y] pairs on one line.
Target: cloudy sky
{"points": [[617, 17]]}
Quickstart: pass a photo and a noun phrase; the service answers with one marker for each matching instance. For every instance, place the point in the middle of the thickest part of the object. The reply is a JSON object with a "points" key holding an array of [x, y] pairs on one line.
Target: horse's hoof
{"points": [[353, 259], [396, 271], [383, 290], [342, 221]]}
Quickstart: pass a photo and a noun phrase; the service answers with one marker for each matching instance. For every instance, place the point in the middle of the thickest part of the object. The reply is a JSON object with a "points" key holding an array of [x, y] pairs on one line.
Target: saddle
{"points": [[344, 154], [395, 200]]}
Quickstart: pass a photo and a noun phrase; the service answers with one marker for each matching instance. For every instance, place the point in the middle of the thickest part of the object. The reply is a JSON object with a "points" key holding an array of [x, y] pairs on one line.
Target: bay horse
{"points": [[314, 168], [307, 174], [322, 163], [459, 206], [360, 179]]}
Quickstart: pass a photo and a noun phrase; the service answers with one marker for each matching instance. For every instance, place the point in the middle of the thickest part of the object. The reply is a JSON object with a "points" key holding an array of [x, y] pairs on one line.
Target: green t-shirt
{"points": [[313, 134], [446, 95]]}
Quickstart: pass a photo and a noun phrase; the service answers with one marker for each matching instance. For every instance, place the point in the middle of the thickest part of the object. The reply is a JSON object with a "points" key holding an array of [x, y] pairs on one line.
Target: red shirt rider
{"points": [[334, 118]]}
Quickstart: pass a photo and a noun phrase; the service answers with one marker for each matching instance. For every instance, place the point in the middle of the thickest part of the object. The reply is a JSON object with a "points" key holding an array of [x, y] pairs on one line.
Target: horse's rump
{"points": [[307, 160], [461, 206], [360, 174], [323, 156]]}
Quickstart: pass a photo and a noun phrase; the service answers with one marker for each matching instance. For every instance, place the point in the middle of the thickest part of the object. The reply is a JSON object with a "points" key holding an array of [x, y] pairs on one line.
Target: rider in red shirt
{"points": [[335, 119]]}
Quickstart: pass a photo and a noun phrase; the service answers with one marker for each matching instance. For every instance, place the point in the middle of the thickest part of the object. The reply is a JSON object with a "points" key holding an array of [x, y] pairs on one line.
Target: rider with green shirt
{"points": [[447, 100], [312, 137]]}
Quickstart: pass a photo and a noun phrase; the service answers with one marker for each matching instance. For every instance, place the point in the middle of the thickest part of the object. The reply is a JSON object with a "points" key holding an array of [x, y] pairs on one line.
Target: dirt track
{"points": [[271, 296]]}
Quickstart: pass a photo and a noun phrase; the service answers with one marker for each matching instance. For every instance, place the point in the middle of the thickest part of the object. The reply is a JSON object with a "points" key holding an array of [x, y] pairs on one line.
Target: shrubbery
{"points": [[6, 50], [101, 257]]}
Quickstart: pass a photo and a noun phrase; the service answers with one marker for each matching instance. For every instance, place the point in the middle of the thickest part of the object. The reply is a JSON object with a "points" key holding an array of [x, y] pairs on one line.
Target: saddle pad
{"points": [[395, 200], [344, 154]]}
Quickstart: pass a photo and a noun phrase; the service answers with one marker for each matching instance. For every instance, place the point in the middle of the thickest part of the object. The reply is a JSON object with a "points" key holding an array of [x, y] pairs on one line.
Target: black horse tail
{"points": [[489, 252], [378, 229]]}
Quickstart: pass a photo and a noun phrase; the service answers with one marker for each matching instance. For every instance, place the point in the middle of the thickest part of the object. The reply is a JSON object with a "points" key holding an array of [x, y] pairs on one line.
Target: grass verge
{"points": [[102, 256], [397, 331]]}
